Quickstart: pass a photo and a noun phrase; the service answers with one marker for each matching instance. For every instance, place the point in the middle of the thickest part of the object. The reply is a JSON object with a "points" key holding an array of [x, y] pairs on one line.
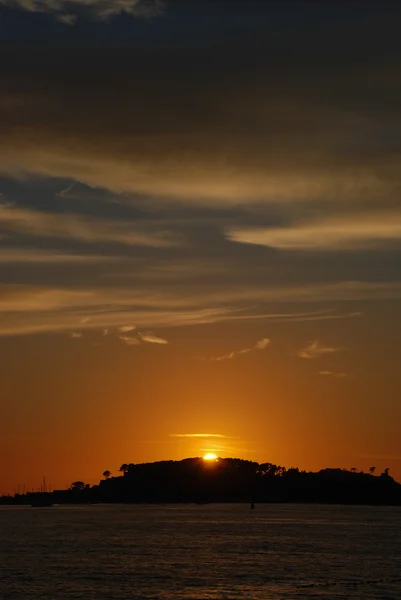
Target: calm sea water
{"points": [[224, 552]]}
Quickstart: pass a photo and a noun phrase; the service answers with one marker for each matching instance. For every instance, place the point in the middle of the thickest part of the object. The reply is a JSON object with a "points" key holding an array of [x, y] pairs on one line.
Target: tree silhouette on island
{"points": [[196, 480]]}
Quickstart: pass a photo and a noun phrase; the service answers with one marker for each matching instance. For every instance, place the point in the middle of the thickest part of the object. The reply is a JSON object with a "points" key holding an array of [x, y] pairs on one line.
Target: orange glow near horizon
{"points": [[117, 418], [210, 456]]}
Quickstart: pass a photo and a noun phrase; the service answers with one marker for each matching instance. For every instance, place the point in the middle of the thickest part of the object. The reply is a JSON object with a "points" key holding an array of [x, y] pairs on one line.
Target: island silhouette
{"points": [[196, 480]]}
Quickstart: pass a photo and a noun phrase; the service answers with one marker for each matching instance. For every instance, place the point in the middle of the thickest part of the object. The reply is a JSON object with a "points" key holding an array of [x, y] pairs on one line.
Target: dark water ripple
{"points": [[219, 552]]}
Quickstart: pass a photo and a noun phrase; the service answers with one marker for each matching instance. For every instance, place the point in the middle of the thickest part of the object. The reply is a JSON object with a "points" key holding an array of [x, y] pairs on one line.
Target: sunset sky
{"points": [[200, 234]]}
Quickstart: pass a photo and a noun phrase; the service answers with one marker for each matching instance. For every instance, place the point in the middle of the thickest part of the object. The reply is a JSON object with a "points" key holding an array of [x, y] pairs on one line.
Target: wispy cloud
{"points": [[67, 11], [76, 190], [137, 338], [336, 374], [328, 317], [339, 233], [126, 328], [260, 345], [129, 340], [321, 315], [76, 334], [270, 140], [83, 228], [36, 309], [200, 435], [227, 451], [151, 339], [315, 349], [31, 309], [28, 309], [34, 256]]}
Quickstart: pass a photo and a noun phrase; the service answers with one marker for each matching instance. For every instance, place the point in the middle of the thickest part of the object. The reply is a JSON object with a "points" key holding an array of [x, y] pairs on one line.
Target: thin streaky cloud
{"points": [[80, 227], [126, 328], [65, 192], [351, 315], [246, 298], [279, 316], [260, 345], [200, 435], [76, 334], [340, 233], [31, 255], [37, 309], [315, 349], [129, 340], [288, 318], [227, 450], [68, 11], [335, 374], [151, 339], [138, 338]]}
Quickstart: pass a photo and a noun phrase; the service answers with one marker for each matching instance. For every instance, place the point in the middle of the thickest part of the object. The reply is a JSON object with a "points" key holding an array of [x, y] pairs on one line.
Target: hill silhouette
{"points": [[195, 480]]}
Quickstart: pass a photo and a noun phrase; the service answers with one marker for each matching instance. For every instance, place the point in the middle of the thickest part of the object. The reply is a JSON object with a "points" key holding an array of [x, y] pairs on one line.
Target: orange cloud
{"points": [[260, 345], [315, 349], [84, 228], [341, 233]]}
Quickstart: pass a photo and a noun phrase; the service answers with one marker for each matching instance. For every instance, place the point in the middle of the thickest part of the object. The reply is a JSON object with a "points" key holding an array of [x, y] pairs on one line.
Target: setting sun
{"points": [[210, 456]]}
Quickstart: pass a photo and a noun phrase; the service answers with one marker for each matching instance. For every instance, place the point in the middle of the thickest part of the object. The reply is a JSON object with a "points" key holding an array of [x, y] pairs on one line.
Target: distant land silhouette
{"points": [[195, 480]]}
